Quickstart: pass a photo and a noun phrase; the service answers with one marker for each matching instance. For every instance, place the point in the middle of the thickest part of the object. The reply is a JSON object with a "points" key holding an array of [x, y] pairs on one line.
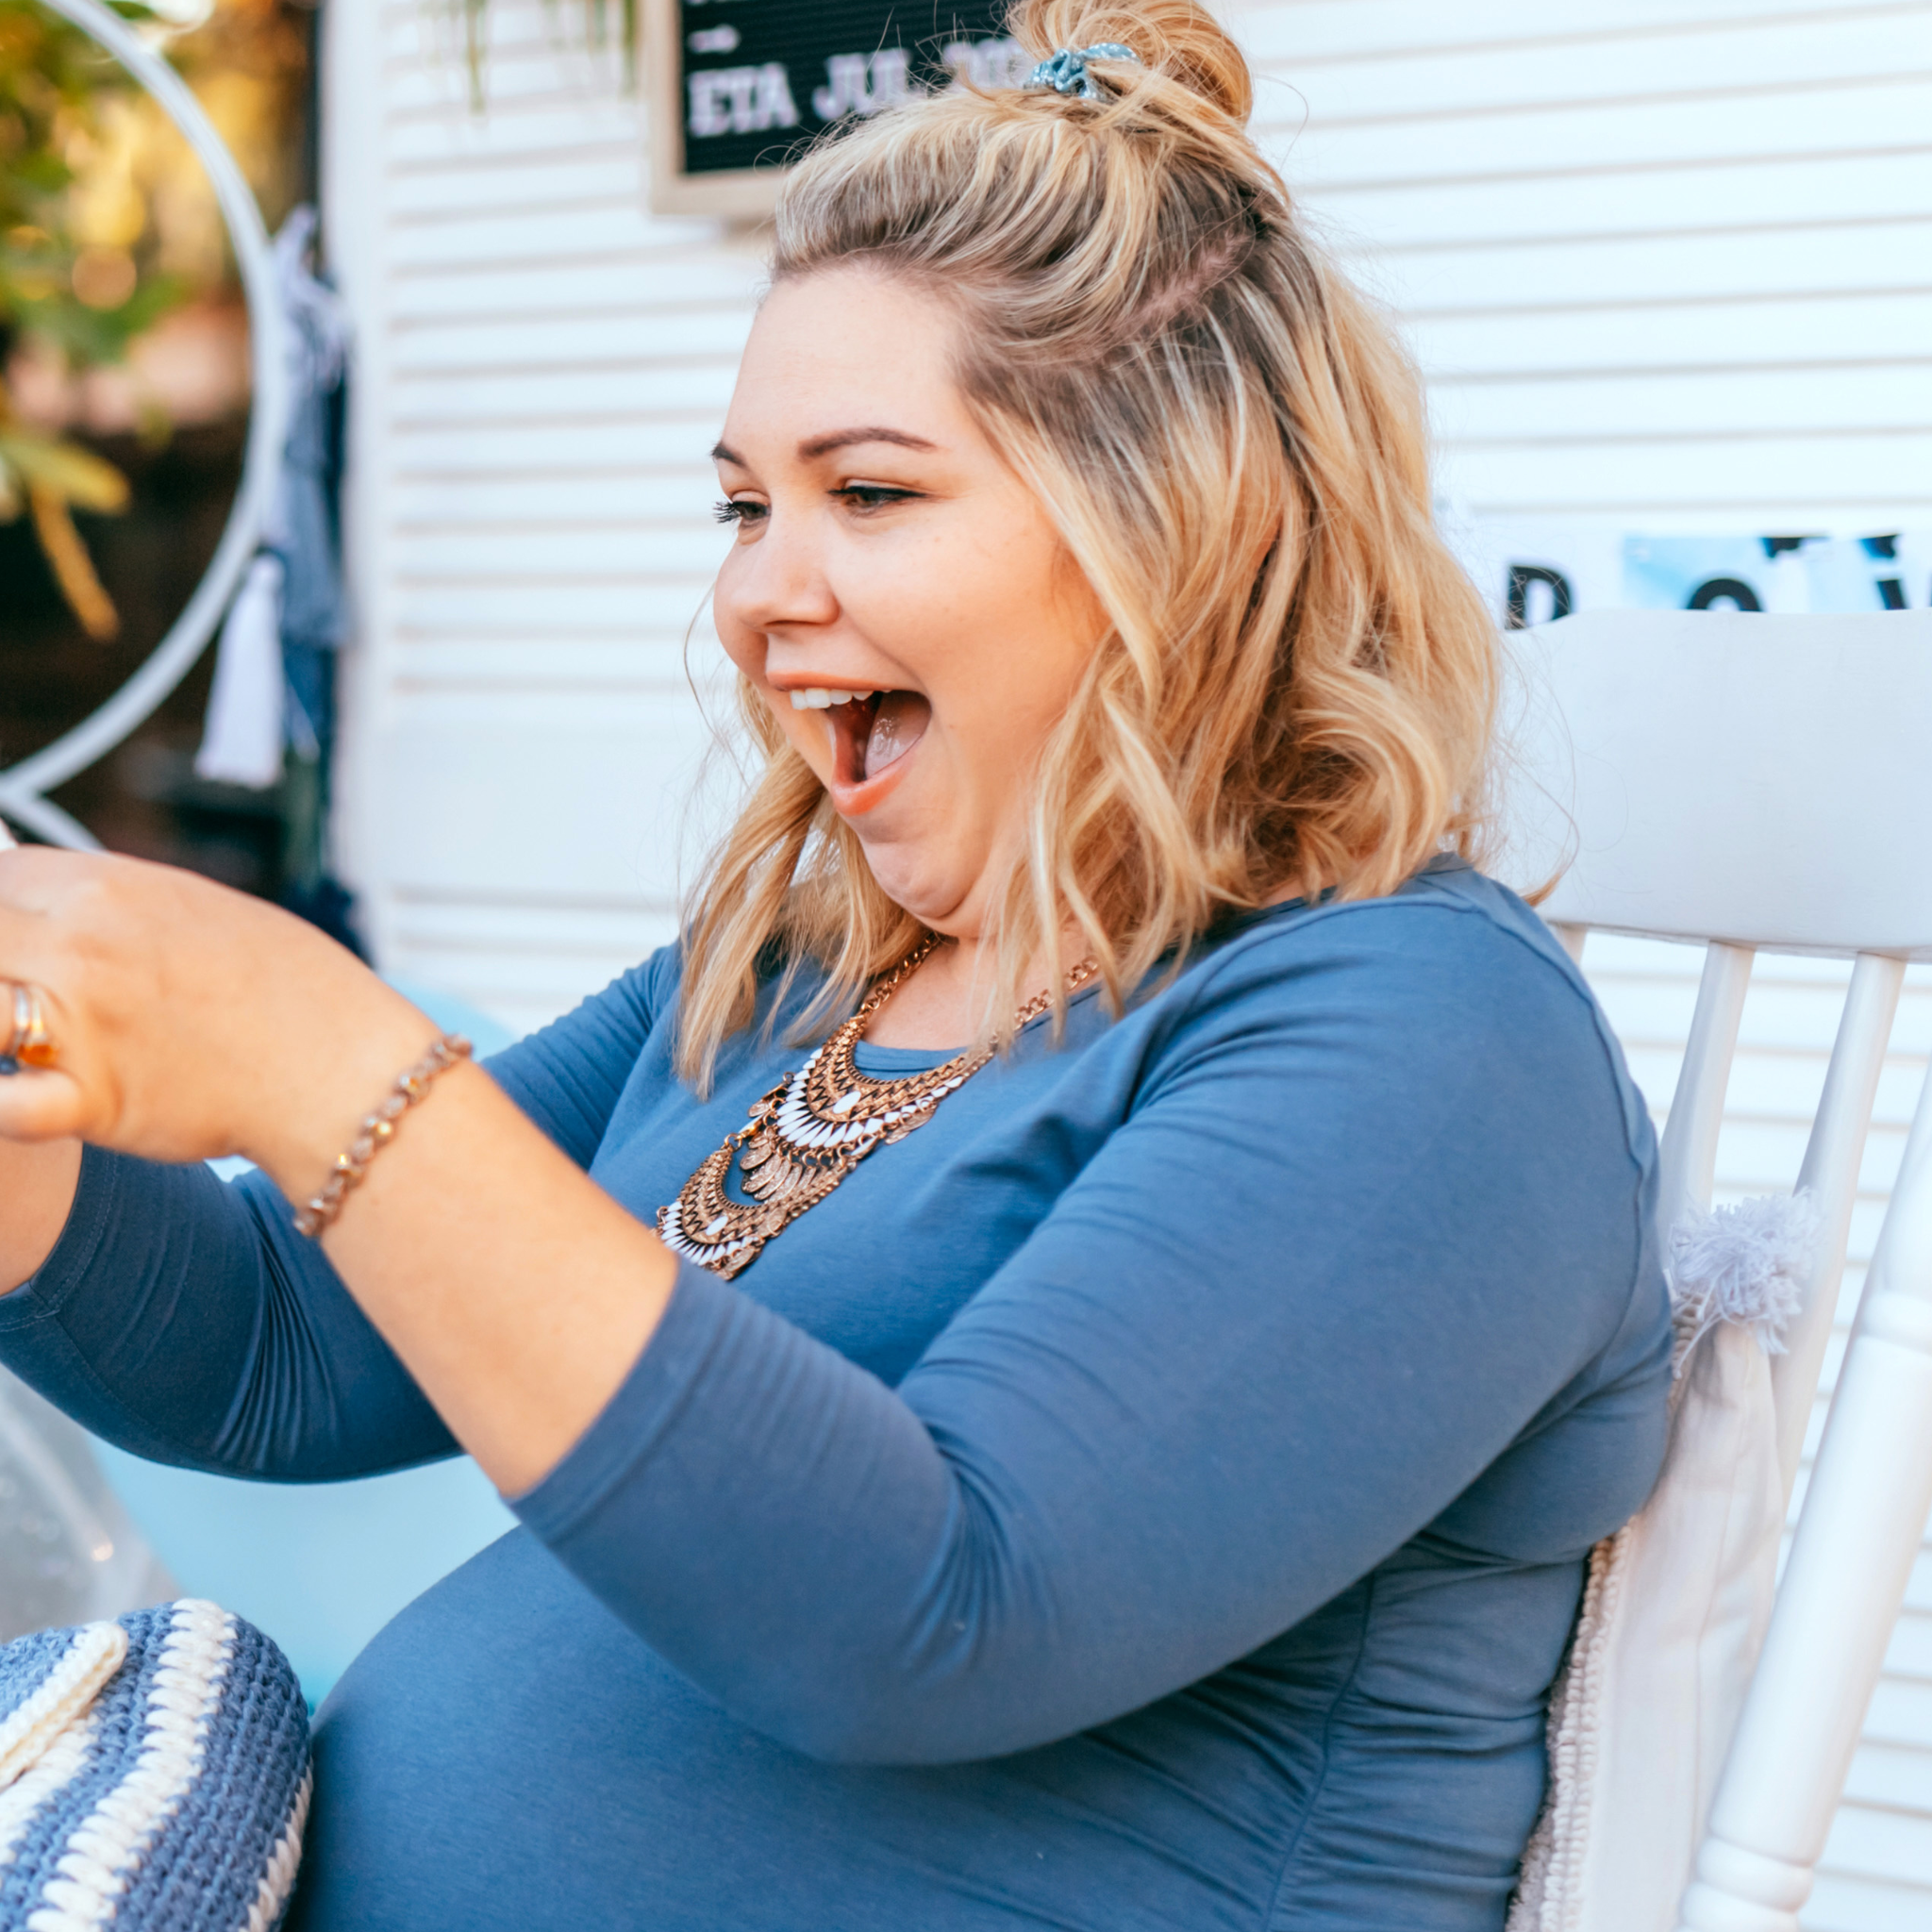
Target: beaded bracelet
{"points": [[376, 1131]]}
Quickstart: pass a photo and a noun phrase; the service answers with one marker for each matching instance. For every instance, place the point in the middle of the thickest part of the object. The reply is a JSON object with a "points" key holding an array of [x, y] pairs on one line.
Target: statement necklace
{"points": [[812, 1129]]}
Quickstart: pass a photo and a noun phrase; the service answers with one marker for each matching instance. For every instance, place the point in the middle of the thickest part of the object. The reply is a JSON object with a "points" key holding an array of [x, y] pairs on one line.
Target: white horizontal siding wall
{"points": [[543, 368], [1667, 263]]}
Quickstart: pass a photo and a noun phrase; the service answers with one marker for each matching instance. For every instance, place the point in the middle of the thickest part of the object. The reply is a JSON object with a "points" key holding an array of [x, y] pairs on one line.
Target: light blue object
{"points": [[1697, 574], [1871, 573], [1065, 70], [325, 1565], [453, 1015], [1784, 573]]}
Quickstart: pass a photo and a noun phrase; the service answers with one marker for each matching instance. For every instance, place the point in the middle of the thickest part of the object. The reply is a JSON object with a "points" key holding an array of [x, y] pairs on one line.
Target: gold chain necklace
{"points": [[812, 1129]]}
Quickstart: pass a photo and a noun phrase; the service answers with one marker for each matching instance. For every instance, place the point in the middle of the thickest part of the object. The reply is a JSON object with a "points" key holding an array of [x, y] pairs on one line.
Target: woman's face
{"points": [[896, 593]]}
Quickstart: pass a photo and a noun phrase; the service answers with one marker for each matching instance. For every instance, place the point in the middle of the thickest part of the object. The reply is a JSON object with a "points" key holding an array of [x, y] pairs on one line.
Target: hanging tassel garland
{"points": [[1747, 1263]]}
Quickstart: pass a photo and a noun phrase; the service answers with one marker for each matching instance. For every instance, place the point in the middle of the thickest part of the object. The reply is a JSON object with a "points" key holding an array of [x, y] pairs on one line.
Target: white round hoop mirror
{"points": [[22, 787]]}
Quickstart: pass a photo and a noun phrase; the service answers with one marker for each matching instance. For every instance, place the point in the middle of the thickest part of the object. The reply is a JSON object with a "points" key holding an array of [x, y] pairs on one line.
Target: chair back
{"points": [[1757, 783]]}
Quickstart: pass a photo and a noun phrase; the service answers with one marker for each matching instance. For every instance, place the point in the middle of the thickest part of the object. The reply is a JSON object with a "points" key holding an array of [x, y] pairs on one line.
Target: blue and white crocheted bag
{"points": [[154, 1774]]}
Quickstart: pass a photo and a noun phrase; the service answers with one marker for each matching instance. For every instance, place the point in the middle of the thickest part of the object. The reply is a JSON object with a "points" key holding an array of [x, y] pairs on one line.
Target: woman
{"points": [[1113, 1444]]}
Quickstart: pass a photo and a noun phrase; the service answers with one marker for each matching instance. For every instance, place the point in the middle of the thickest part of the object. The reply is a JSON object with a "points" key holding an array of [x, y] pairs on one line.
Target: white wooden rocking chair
{"points": [[1762, 783]]}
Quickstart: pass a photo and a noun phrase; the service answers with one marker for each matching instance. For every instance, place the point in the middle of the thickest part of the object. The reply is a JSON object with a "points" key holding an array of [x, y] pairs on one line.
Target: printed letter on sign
{"points": [[856, 85], [741, 100]]}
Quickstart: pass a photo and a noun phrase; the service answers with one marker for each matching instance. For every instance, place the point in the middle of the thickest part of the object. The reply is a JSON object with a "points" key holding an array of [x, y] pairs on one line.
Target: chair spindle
{"points": [[1687, 1160], [1830, 1175], [1850, 1559]]}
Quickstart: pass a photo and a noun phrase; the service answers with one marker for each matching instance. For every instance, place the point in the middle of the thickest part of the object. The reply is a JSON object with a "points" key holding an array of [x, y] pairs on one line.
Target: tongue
{"points": [[897, 726]]}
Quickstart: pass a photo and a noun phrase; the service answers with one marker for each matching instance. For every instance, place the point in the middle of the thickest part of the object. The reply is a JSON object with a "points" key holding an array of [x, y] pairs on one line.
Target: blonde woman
{"points": [[1060, 1356]]}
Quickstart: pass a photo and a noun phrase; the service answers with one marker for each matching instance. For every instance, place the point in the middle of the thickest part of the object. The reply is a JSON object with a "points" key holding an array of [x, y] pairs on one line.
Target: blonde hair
{"points": [[1296, 682]]}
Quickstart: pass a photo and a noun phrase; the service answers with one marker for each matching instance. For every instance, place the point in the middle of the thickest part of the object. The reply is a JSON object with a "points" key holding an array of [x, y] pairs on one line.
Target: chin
{"points": [[933, 902]]}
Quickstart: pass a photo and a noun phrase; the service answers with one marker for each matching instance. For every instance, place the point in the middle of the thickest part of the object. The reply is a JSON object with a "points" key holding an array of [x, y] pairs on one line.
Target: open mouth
{"points": [[872, 730]]}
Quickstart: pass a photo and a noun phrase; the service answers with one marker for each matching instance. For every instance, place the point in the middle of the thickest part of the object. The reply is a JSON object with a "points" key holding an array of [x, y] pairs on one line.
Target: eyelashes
{"points": [[857, 496], [873, 495]]}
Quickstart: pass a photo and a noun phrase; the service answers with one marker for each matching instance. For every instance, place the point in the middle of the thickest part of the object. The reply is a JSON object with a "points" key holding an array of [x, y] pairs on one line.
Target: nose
{"points": [[778, 580]]}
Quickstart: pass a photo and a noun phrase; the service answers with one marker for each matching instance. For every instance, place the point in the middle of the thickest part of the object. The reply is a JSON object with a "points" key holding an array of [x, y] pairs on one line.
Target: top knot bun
{"points": [[1174, 38]]}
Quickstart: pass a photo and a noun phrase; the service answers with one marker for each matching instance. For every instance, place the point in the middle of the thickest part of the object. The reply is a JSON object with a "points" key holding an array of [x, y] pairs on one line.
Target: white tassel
{"points": [[242, 741], [1749, 1263]]}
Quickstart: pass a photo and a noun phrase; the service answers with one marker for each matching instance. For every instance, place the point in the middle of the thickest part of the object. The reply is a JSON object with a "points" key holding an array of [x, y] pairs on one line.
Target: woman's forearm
{"points": [[517, 1291], [37, 1186], [182, 1318], [191, 1022]]}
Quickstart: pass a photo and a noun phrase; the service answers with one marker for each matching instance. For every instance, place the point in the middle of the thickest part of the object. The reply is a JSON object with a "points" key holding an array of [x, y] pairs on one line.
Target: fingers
{"points": [[29, 873], [45, 900], [39, 1106], [43, 1093], [24, 963], [35, 1103], [26, 895]]}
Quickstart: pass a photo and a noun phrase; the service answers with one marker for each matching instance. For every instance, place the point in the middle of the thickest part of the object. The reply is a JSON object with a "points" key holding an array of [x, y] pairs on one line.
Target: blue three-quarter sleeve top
{"points": [[1152, 1497]]}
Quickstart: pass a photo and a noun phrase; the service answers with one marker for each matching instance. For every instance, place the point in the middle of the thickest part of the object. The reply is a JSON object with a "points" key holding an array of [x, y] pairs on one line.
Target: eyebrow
{"points": [[841, 439], [835, 439]]}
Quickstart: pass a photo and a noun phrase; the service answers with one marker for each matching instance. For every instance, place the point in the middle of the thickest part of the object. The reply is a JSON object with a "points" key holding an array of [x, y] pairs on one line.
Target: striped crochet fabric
{"points": [[154, 1774]]}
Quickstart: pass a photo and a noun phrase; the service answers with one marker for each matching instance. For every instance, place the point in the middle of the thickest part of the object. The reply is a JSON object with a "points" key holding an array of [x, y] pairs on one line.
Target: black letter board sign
{"points": [[739, 86]]}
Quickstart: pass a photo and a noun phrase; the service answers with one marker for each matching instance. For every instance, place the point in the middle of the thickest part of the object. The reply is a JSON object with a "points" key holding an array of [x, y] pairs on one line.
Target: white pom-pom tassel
{"points": [[1749, 1263]]}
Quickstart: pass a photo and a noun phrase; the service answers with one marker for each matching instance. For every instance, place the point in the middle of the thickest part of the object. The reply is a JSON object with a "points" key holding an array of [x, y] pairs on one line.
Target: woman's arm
{"points": [[193, 1022], [1380, 1211], [37, 1186], [186, 1320], [182, 1318], [1352, 1241]]}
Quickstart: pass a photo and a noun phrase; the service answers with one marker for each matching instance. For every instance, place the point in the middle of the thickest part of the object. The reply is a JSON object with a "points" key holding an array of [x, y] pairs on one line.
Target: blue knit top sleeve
{"points": [[1338, 1243], [1358, 1233], [184, 1319]]}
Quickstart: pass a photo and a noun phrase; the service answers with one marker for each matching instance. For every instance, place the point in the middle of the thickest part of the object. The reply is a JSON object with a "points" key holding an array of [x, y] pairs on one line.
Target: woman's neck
{"points": [[939, 1008]]}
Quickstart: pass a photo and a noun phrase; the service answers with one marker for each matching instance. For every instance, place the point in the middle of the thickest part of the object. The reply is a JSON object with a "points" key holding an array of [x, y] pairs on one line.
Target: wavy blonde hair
{"points": [[1297, 680]]}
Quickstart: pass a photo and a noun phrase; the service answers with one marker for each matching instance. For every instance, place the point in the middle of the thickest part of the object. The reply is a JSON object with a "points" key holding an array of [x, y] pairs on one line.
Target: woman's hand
{"points": [[193, 1021], [189, 1019]]}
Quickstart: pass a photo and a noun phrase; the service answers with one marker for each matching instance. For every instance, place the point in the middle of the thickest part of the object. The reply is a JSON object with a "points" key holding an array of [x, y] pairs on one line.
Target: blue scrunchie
{"points": [[1065, 71]]}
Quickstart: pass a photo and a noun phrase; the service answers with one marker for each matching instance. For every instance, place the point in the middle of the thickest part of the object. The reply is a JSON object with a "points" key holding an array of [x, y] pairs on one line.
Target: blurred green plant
{"points": [[605, 23], [84, 304]]}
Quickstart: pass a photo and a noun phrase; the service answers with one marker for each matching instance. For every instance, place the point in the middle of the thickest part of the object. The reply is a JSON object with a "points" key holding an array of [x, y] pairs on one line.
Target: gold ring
{"points": [[27, 1042]]}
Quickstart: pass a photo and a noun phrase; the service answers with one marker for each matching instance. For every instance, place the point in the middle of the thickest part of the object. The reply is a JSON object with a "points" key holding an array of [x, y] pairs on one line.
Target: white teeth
{"points": [[815, 698]]}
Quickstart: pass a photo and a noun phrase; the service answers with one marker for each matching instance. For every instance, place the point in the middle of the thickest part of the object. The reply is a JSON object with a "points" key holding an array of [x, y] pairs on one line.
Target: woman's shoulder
{"points": [[1452, 970], [620, 1016], [1450, 927]]}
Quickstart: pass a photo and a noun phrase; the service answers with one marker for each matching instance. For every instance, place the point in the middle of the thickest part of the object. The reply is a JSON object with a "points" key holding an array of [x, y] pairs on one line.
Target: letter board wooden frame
{"points": [[735, 88]]}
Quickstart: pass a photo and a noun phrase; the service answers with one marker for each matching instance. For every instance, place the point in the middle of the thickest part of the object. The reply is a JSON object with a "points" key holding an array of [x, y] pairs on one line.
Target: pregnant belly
{"points": [[508, 1755]]}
